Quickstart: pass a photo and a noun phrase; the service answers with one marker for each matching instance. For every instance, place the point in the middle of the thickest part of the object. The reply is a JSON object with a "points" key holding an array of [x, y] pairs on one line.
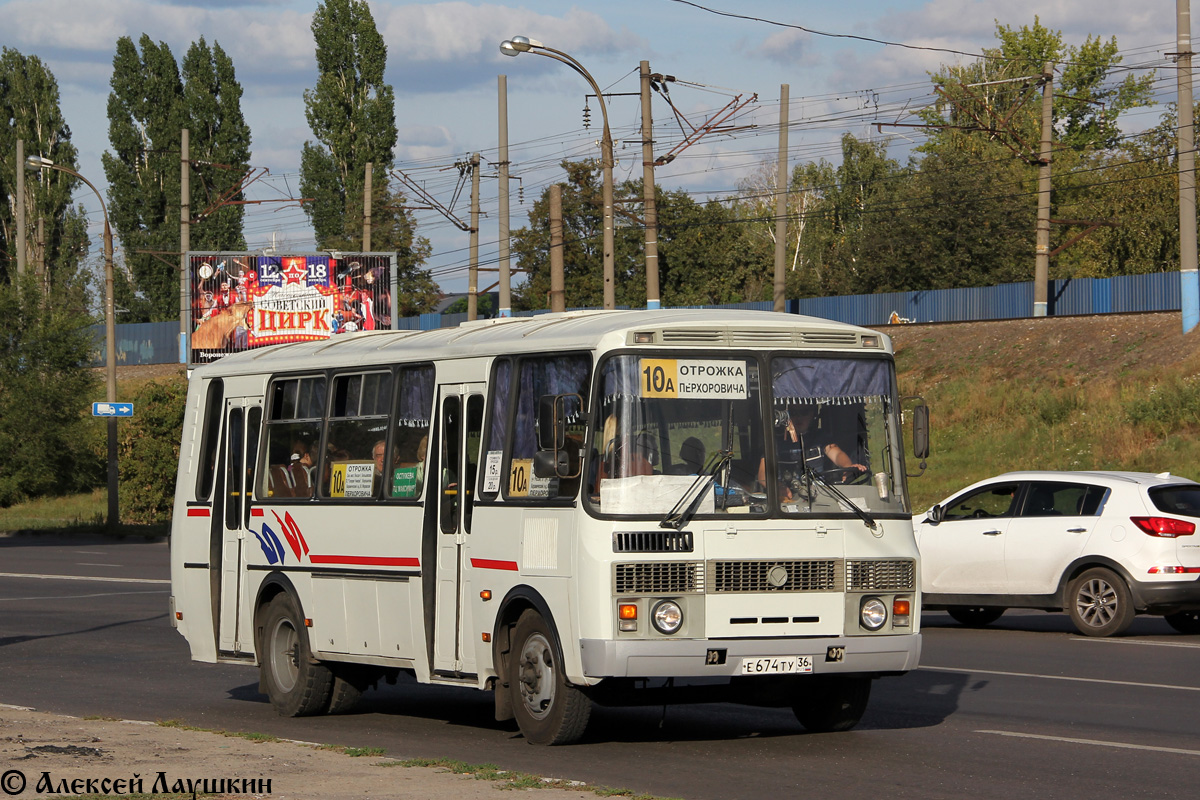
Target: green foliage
{"points": [[45, 393], [29, 111], [146, 113], [148, 446], [485, 306], [351, 112], [705, 254], [1166, 407], [218, 145]]}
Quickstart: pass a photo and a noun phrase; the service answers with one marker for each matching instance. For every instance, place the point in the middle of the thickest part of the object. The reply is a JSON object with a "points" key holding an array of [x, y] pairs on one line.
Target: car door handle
{"points": [[1076, 530], [992, 533]]}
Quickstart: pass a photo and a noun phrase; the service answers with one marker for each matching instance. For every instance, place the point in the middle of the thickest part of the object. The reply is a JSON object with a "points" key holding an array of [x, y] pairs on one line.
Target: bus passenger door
{"points": [[243, 419], [461, 424]]}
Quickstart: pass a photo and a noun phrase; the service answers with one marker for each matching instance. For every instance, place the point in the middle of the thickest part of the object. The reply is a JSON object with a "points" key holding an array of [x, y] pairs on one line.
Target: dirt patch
{"points": [[34, 744], [1067, 350]]}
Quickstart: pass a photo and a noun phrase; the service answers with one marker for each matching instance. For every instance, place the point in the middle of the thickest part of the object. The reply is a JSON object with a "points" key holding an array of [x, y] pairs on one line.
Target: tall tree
{"points": [[146, 112], [29, 110], [219, 139], [351, 112]]}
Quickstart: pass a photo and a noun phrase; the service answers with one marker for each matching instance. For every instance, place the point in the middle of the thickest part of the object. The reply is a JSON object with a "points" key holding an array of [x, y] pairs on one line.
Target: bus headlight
{"points": [[667, 617], [872, 613]]}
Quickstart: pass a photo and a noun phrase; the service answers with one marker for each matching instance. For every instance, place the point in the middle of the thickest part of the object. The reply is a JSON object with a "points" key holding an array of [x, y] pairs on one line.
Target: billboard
{"points": [[241, 300]]}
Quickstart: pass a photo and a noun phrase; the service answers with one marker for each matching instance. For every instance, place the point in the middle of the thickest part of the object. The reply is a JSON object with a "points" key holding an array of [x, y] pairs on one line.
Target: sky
{"points": [[444, 61]]}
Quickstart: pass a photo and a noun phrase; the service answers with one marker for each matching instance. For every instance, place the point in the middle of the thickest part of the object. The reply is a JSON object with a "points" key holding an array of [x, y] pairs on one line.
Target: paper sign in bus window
{"points": [[352, 479], [684, 379]]}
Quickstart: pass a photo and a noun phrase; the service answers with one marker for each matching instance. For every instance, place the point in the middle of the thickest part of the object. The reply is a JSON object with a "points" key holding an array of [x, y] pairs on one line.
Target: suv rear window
{"points": [[1181, 500]]}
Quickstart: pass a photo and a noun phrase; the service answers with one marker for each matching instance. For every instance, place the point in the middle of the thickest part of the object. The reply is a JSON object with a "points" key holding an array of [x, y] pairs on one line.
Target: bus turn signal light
{"points": [[627, 617]]}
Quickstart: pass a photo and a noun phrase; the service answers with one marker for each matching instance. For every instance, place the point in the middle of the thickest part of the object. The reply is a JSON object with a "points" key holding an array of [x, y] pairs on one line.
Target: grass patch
{"points": [[251, 737], [71, 514], [508, 779]]}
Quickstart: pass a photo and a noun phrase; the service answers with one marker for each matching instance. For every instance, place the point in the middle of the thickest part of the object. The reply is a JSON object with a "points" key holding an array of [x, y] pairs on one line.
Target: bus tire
{"points": [[548, 710], [1100, 603], [297, 684], [831, 703], [349, 682]]}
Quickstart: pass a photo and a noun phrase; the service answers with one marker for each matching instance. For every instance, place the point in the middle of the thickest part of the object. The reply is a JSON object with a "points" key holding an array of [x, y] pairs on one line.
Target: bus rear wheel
{"points": [[549, 711], [296, 683], [831, 703]]}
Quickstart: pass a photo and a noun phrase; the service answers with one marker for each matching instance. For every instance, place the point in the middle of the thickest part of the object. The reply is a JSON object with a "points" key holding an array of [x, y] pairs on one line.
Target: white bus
{"points": [[564, 509]]}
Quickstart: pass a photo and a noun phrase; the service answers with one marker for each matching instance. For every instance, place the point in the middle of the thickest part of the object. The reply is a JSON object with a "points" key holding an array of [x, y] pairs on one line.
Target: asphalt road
{"points": [[1023, 708]]}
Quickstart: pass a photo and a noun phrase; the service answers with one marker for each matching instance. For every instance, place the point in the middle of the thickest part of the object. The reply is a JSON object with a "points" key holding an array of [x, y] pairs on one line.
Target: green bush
{"points": [[1166, 407], [148, 446], [46, 391]]}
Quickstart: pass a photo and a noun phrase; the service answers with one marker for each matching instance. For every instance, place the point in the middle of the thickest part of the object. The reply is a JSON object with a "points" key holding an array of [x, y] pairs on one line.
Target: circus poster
{"points": [[242, 301]]}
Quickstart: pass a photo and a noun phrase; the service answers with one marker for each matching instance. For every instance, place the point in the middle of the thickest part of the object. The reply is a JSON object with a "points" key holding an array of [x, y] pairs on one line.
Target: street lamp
{"points": [[37, 164], [522, 44]]}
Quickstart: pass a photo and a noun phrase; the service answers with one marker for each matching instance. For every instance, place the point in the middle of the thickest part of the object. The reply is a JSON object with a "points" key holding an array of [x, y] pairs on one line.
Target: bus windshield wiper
{"points": [[813, 476], [685, 509]]}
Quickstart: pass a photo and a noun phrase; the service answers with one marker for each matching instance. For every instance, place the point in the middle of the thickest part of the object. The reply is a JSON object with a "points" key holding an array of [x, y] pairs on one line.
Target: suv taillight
{"points": [[1166, 527]]}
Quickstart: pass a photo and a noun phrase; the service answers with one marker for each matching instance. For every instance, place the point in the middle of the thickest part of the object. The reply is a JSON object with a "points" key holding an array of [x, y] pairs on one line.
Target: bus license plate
{"points": [[776, 665]]}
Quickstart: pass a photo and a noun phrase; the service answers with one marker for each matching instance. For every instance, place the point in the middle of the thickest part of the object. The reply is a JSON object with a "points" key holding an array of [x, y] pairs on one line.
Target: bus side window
{"points": [[214, 404], [404, 475], [293, 443], [564, 374], [499, 403], [356, 442]]}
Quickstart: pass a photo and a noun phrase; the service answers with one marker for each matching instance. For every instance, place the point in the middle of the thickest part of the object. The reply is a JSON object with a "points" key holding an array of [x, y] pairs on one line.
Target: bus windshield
{"points": [[775, 437]]}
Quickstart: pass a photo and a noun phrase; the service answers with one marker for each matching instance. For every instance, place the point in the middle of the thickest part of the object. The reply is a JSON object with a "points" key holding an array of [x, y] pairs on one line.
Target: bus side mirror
{"points": [[551, 422], [551, 464], [921, 431]]}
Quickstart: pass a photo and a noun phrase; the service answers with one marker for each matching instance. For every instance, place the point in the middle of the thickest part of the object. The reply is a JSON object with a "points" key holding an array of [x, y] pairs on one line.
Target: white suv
{"points": [[1101, 546]]}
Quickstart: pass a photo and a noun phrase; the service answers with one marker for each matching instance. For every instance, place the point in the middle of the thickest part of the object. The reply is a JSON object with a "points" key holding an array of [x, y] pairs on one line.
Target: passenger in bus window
{"points": [[300, 469]]}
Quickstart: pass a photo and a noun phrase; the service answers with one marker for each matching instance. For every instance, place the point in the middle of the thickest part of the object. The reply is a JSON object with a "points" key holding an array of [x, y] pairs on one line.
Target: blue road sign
{"points": [[112, 409]]}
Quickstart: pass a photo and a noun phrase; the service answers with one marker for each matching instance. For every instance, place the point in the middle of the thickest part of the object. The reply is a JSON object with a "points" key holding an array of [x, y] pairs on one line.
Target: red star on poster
{"points": [[293, 271]]}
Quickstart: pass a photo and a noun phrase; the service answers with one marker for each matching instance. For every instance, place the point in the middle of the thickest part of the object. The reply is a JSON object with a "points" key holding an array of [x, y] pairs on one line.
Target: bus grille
{"points": [[652, 542], [775, 576], [664, 577], [894, 575]]}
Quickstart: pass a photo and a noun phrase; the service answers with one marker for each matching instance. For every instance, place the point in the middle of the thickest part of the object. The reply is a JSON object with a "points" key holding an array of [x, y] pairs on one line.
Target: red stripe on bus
{"points": [[256, 512], [375, 561], [197, 512], [489, 563]]}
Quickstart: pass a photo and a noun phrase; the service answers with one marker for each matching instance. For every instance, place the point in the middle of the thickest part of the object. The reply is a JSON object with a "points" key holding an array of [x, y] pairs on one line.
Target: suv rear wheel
{"points": [[1100, 603]]}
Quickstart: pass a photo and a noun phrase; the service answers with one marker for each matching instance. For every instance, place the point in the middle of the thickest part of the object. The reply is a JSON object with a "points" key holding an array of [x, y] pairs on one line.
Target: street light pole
{"points": [[37, 164], [521, 44]]}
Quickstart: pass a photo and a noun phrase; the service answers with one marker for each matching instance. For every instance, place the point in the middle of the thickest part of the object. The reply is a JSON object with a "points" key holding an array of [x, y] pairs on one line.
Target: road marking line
{"points": [[1121, 745], [81, 578], [1130, 641], [1061, 678], [94, 564], [4, 600]]}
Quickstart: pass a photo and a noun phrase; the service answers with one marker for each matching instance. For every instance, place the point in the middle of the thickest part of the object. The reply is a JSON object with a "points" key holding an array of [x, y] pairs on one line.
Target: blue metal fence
{"points": [[158, 342]]}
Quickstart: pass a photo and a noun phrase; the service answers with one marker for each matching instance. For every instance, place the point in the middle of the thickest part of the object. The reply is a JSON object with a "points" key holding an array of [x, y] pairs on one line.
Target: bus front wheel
{"points": [[549, 710], [297, 684], [829, 703]]}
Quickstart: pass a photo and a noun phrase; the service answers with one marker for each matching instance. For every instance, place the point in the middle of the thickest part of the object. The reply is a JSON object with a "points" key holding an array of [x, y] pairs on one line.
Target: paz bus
{"points": [[623, 507]]}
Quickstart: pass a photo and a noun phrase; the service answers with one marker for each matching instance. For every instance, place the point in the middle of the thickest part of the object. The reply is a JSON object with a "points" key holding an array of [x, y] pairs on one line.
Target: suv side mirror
{"points": [[937, 514]]}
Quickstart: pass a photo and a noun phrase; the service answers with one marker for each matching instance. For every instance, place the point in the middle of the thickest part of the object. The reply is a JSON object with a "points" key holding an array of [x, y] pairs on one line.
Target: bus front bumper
{"points": [[653, 658]]}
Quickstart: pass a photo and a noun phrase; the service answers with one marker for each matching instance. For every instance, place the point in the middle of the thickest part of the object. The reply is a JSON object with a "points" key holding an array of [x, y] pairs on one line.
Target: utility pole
{"points": [[473, 271], [505, 273], [781, 195], [20, 206], [367, 209], [185, 241], [1041, 271], [557, 299], [1189, 284], [650, 210]]}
